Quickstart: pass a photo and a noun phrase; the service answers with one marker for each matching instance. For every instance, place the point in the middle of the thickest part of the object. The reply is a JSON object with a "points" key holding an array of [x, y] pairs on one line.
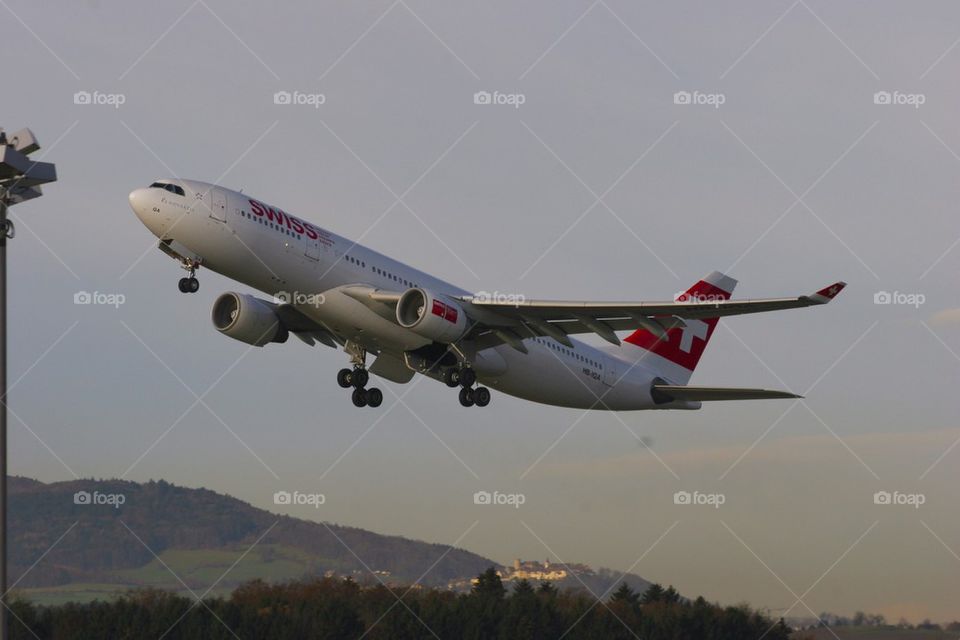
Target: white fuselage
{"points": [[284, 256]]}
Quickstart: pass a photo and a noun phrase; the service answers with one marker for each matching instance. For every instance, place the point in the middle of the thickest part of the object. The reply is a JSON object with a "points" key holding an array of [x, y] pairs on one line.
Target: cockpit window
{"points": [[172, 188]]}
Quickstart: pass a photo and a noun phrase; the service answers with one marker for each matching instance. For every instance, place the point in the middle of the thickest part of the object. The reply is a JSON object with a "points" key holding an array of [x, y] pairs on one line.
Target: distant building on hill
{"points": [[535, 571]]}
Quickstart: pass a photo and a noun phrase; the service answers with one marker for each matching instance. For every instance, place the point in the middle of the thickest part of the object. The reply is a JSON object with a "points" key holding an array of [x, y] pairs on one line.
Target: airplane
{"points": [[327, 289]]}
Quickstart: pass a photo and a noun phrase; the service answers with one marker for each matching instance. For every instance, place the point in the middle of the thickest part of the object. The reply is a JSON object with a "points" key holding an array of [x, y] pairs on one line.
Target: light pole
{"points": [[20, 180]]}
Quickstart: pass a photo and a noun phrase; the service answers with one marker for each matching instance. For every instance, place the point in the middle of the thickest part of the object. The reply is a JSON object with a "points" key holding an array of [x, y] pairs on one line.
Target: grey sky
{"points": [[798, 179]]}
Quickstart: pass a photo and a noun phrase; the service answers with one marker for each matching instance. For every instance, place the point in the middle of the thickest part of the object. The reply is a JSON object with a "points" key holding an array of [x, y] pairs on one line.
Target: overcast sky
{"points": [[790, 174]]}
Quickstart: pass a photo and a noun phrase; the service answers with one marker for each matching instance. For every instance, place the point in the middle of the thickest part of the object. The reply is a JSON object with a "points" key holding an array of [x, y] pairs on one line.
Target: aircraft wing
{"points": [[305, 328], [556, 319], [681, 393], [497, 322]]}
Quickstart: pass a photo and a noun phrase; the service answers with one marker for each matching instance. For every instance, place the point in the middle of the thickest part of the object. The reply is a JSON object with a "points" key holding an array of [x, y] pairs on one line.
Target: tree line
{"points": [[335, 609], [877, 620]]}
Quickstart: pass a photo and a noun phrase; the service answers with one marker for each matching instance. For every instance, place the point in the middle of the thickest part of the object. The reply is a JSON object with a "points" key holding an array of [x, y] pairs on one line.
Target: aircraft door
{"points": [[312, 249], [609, 371], [218, 205]]}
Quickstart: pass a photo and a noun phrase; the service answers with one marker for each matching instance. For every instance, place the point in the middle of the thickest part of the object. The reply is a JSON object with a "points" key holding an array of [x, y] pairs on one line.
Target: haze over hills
{"points": [[158, 534]]}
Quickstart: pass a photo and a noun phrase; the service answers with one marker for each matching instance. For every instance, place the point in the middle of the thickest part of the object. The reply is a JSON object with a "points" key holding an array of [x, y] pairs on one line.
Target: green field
{"points": [[200, 569]]}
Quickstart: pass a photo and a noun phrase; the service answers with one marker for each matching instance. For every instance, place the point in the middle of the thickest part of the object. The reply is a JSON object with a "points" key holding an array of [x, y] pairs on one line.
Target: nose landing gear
{"points": [[190, 284]]}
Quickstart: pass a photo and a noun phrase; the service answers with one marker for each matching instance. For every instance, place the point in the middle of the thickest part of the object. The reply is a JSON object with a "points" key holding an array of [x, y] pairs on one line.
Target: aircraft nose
{"points": [[143, 203], [138, 201]]}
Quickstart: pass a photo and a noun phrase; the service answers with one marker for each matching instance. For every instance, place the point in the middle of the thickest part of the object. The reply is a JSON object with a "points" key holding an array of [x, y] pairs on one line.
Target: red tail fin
{"points": [[677, 355]]}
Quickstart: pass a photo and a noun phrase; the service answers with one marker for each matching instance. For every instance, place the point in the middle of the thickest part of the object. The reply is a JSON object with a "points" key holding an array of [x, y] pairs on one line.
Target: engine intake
{"points": [[437, 318], [247, 319]]}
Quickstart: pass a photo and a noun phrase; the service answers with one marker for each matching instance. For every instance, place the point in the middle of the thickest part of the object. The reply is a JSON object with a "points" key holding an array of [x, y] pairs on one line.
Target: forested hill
{"points": [[100, 542]]}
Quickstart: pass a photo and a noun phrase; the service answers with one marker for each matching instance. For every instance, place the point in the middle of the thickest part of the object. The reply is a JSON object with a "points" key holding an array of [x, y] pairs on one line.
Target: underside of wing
{"points": [[496, 321], [557, 319], [308, 330], [670, 393]]}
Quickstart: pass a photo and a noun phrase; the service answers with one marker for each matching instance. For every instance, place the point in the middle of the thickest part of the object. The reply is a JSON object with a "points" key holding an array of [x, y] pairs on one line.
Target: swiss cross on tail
{"points": [[684, 345], [828, 293]]}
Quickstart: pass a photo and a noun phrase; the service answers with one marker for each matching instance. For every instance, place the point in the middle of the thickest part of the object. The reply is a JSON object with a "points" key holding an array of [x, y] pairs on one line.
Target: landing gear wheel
{"points": [[467, 377], [374, 397], [345, 378], [360, 378], [193, 285], [451, 378], [481, 396], [466, 397], [184, 285], [359, 398]]}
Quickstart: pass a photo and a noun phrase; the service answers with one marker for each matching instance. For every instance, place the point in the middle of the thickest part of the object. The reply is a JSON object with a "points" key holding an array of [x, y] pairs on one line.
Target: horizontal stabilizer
{"points": [[682, 393]]}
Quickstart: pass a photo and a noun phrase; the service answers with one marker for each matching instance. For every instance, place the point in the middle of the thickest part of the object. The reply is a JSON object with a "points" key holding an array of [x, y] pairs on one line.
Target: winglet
{"points": [[827, 294]]}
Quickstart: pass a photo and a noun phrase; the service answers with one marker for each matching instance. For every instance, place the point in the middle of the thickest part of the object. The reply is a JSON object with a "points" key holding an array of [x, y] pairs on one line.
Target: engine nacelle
{"points": [[437, 318], [247, 319]]}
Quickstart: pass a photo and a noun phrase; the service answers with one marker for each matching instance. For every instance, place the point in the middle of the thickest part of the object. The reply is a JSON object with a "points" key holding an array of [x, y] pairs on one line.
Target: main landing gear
{"points": [[465, 377], [190, 284], [358, 378]]}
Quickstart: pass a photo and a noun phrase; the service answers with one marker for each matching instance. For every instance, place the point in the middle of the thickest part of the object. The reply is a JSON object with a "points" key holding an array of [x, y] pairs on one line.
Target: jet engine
{"points": [[437, 318], [247, 319]]}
